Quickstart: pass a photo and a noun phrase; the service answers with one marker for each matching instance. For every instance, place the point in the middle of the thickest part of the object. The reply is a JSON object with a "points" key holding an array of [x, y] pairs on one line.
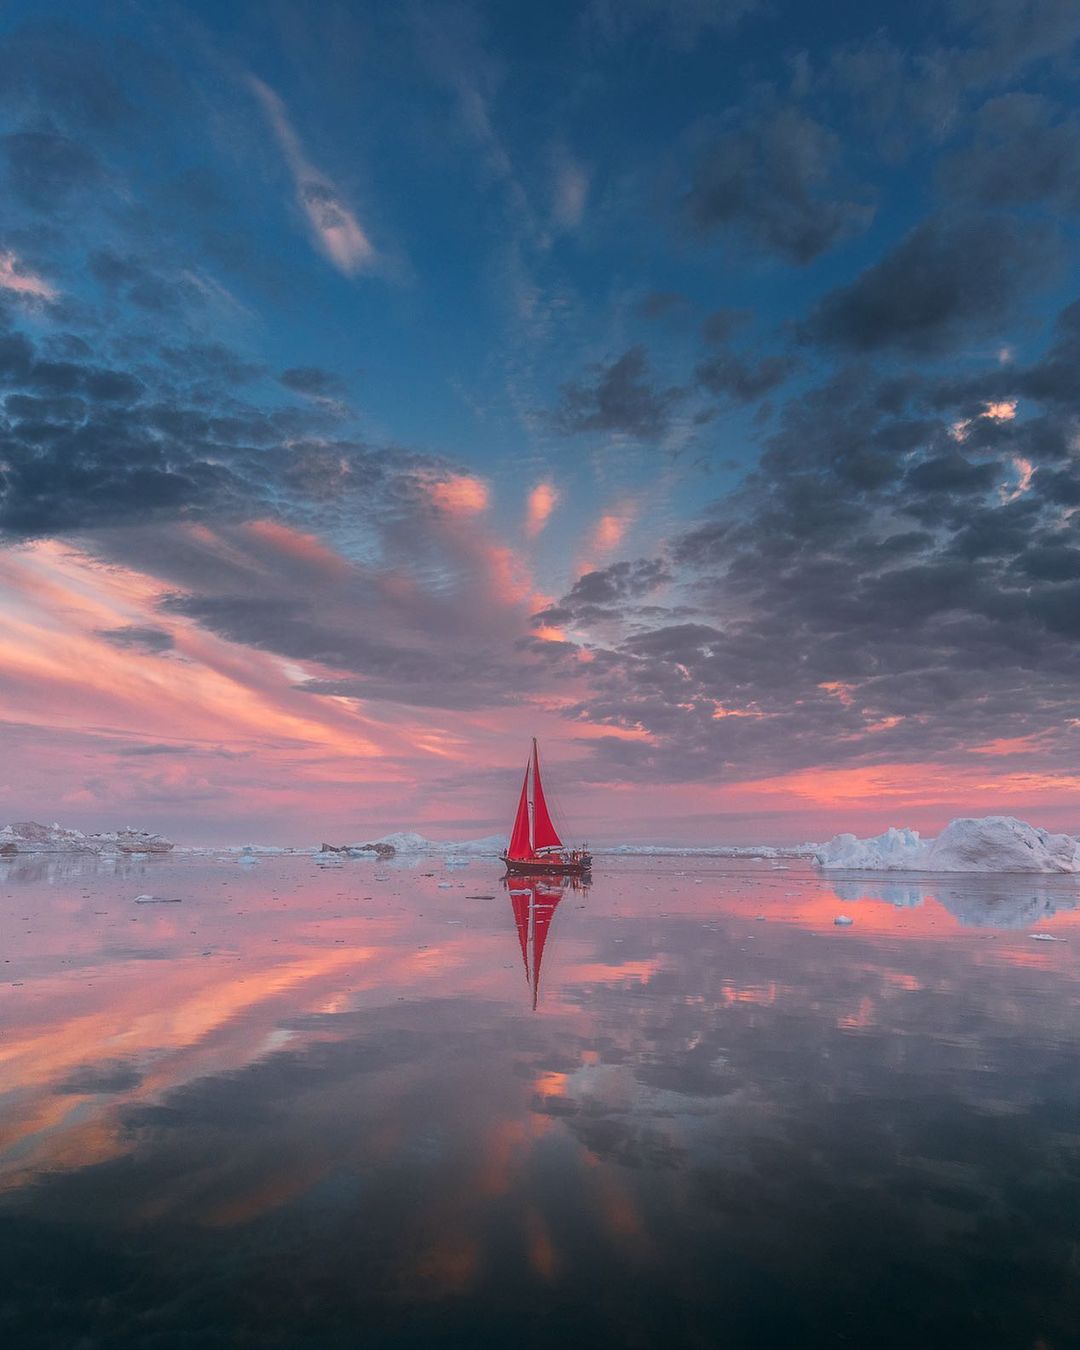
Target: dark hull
{"points": [[526, 867]]}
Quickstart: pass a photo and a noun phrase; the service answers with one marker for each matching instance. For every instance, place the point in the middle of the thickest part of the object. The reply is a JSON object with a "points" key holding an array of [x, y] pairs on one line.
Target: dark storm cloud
{"points": [[143, 638], [619, 397], [947, 280], [773, 184]]}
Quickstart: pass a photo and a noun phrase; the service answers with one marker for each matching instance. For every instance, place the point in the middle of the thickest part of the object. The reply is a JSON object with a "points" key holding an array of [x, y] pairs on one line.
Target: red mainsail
{"points": [[520, 842]]}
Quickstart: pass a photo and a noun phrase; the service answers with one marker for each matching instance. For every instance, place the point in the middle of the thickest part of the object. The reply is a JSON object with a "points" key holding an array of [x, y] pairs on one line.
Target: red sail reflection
{"points": [[534, 900]]}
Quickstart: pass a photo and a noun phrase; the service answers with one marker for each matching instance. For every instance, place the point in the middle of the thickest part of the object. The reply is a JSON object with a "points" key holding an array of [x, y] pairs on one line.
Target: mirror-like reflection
{"points": [[309, 1106], [534, 900]]}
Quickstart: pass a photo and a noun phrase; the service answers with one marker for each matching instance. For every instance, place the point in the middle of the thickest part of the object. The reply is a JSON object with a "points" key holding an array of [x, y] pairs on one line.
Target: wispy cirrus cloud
{"points": [[336, 231]]}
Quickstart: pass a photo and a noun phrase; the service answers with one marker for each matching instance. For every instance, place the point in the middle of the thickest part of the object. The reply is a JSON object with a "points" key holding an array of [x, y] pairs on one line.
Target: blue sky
{"points": [[744, 290]]}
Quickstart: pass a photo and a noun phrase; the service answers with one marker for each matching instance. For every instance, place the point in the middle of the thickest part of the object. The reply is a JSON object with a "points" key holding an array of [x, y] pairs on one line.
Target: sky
{"points": [[692, 384]]}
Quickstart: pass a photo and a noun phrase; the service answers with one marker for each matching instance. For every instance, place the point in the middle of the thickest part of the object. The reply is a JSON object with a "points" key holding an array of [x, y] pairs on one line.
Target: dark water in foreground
{"points": [[314, 1107]]}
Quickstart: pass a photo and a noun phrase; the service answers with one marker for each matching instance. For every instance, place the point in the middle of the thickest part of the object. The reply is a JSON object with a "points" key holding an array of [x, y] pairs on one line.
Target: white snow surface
{"points": [[27, 836], [988, 844]]}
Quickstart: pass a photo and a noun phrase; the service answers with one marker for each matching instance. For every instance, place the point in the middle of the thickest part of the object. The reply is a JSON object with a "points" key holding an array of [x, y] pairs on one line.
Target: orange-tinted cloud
{"points": [[542, 501], [458, 494]]}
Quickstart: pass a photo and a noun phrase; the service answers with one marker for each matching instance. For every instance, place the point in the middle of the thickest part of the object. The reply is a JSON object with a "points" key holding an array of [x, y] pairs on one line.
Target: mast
{"points": [[530, 775]]}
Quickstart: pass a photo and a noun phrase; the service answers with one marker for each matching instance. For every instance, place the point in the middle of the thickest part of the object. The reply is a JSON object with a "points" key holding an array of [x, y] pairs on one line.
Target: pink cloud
{"points": [[335, 229], [15, 277]]}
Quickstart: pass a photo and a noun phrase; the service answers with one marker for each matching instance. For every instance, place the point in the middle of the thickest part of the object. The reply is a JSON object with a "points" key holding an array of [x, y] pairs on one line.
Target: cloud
{"points": [[570, 192], [661, 305], [456, 494], [88, 446], [19, 280], [45, 168], [936, 582], [947, 280], [683, 23], [771, 183], [143, 638], [336, 231], [313, 381], [619, 397], [1025, 151], [542, 500], [598, 594], [731, 375]]}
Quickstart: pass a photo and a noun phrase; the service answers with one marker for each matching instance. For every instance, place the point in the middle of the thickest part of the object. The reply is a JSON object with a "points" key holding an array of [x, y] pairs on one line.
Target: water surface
{"points": [[332, 1106]]}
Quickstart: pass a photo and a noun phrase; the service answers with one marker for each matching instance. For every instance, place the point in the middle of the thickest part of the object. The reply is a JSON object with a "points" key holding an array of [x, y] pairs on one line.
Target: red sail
{"points": [[520, 844], [545, 834]]}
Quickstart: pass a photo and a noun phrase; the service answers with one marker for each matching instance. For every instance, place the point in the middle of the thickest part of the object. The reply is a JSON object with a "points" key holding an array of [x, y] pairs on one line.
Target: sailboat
{"points": [[534, 900], [535, 845]]}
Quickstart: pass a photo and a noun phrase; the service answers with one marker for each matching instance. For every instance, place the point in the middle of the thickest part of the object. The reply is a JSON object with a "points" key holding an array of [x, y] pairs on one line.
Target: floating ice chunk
{"points": [[157, 900], [842, 921], [1046, 937]]}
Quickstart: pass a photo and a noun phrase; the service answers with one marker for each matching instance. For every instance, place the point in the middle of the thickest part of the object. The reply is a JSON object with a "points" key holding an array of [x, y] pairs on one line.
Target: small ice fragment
{"points": [[157, 900], [445, 885], [1046, 937], [842, 921]]}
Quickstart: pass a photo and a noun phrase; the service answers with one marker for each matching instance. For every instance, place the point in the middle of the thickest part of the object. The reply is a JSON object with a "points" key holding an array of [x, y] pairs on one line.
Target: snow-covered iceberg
{"points": [[407, 841], [27, 836], [989, 844]]}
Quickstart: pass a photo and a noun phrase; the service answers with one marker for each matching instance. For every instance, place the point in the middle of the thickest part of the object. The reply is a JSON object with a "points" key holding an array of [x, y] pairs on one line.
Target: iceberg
{"points": [[988, 844], [27, 836], [407, 841]]}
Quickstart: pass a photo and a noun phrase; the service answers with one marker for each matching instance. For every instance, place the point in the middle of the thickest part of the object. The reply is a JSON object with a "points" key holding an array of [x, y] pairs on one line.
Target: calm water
{"points": [[315, 1107]]}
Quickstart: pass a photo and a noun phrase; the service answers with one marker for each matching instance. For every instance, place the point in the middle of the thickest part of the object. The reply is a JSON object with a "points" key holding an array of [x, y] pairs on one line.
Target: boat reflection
{"points": [[534, 900]]}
